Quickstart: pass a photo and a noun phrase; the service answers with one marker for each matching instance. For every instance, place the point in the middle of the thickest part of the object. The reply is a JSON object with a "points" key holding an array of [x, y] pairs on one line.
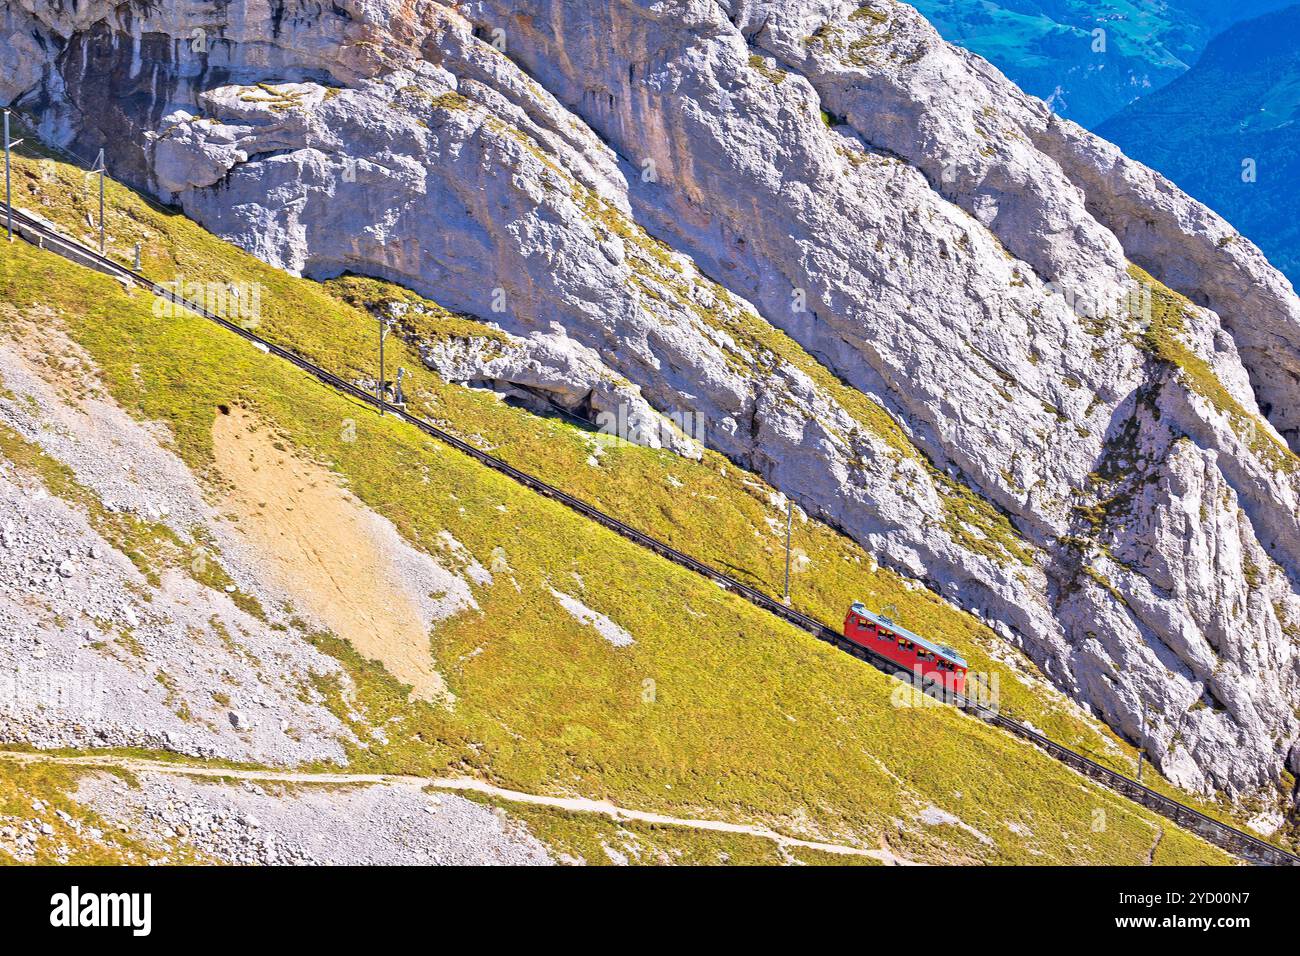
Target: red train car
{"points": [[910, 651]]}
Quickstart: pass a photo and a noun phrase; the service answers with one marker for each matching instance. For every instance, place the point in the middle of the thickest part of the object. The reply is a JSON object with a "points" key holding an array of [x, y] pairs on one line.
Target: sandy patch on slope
{"points": [[341, 563]]}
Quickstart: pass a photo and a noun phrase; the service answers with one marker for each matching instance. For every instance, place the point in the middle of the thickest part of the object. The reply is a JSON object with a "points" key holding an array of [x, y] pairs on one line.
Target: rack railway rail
{"points": [[1236, 842]]}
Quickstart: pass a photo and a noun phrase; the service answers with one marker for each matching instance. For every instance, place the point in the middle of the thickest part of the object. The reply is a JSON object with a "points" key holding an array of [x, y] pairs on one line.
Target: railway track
{"points": [[1237, 842]]}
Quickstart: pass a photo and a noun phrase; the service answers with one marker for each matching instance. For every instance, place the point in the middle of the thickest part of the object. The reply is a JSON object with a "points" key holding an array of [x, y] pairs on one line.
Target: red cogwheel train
{"points": [[911, 651]]}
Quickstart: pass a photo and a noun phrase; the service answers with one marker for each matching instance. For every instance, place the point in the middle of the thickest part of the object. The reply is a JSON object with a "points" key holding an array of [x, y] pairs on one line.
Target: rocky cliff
{"points": [[1014, 364]]}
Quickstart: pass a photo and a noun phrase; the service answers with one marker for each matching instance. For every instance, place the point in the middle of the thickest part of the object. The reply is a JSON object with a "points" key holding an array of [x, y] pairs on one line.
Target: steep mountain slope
{"points": [[742, 716], [884, 279], [705, 506], [1228, 132], [1050, 48]]}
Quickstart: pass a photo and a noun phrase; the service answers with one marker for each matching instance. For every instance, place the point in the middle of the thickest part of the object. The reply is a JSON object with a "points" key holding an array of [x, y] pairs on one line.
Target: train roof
{"points": [[861, 609]]}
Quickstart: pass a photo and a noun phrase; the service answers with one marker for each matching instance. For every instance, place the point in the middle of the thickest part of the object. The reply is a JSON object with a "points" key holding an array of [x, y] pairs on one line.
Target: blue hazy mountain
{"points": [[1228, 132], [1049, 48]]}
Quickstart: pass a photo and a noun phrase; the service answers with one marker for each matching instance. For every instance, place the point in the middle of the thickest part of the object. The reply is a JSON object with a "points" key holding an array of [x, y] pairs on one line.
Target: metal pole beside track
{"points": [[100, 168], [1142, 742], [789, 523], [101, 202], [9, 206], [379, 389]]}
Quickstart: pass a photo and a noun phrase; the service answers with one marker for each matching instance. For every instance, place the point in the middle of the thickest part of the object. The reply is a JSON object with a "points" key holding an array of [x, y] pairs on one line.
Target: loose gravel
{"points": [[251, 823], [94, 655]]}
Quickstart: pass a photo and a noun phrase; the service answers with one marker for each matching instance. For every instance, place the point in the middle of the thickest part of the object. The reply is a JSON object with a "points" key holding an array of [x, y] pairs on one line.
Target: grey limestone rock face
{"points": [[887, 280]]}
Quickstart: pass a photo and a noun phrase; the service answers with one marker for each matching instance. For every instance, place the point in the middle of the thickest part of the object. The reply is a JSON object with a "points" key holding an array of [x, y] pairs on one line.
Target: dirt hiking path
{"points": [[574, 804]]}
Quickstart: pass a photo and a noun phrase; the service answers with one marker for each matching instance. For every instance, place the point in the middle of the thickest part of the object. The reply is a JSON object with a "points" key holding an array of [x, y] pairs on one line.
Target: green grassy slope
{"points": [[716, 709]]}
